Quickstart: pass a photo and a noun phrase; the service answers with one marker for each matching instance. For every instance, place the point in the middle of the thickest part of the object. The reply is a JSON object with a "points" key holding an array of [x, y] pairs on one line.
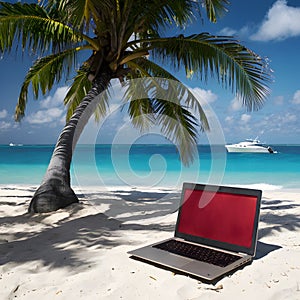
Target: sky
{"points": [[271, 28]]}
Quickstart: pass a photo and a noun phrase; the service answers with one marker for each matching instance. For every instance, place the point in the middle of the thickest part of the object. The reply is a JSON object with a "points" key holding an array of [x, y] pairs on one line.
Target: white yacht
{"points": [[250, 145]]}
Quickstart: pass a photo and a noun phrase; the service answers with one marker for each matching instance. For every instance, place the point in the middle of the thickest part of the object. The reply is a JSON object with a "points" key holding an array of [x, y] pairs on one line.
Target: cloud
{"points": [[245, 118], [45, 116], [56, 99], [281, 22], [289, 118], [3, 113], [236, 104], [227, 31], [296, 97], [52, 110], [279, 100], [283, 123], [229, 119], [204, 96], [4, 125]]}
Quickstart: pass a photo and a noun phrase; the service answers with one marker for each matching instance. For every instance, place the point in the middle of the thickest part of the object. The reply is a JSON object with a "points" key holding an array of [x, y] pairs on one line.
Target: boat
{"points": [[251, 146], [13, 145]]}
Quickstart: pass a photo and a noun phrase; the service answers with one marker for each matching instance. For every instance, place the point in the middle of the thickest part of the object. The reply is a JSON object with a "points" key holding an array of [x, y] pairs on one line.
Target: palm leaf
{"points": [[43, 74], [78, 90], [24, 23], [147, 68], [140, 107], [179, 126], [82, 12], [158, 101], [155, 14], [222, 57], [215, 9]]}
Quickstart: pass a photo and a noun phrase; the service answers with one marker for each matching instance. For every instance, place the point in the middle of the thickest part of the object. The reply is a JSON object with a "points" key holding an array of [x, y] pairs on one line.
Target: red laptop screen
{"points": [[218, 216]]}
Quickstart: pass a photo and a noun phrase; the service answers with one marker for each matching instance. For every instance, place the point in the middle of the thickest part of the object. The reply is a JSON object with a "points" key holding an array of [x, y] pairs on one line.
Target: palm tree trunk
{"points": [[55, 191]]}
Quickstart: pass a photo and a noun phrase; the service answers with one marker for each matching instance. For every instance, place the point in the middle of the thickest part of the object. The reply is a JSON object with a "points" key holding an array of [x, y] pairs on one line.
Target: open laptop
{"points": [[216, 232]]}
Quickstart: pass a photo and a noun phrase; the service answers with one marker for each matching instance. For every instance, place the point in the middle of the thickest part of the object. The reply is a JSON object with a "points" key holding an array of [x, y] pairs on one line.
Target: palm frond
{"points": [[215, 9], [141, 113], [78, 90], [140, 107], [146, 68], [232, 64], [161, 101], [23, 24], [43, 74], [82, 12], [180, 126], [156, 14], [102, 106]]}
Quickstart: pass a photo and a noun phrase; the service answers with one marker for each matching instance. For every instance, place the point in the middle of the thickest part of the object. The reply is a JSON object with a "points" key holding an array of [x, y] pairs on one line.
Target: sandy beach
{"points": [[81, 251]]}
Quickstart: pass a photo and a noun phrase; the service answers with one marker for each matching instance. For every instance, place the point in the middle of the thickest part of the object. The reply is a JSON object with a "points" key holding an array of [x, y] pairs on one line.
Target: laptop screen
{"points": [[221, 215]]}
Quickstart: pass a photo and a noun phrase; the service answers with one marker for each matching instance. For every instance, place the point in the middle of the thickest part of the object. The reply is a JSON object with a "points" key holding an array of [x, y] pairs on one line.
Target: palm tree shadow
{"points": [[275, 221], [137, 205], [62, 244]]}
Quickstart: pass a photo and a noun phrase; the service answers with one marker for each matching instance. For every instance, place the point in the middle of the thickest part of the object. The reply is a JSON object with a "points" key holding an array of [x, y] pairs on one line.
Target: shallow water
{"points": [[155, 165]]}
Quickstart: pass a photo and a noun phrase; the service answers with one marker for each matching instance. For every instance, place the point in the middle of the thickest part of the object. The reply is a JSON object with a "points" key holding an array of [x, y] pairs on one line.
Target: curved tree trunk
{"points": [[55, 191]]}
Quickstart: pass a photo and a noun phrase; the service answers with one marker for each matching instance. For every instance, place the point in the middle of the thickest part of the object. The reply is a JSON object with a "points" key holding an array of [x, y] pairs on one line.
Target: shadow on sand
{"points": [[276, 218], [52, 245], [117, 215]]}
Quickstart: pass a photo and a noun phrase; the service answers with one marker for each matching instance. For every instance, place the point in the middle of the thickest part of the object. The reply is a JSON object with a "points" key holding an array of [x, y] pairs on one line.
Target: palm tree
{"points": [[125, 39]]}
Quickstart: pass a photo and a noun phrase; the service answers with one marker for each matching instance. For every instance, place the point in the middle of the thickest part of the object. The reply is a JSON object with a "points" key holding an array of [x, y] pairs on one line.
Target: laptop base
{"points": [[192, 276]]}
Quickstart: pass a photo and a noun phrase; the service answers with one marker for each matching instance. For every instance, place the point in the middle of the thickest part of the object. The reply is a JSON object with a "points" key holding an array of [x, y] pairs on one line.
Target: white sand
{"points": [[81, 251]]}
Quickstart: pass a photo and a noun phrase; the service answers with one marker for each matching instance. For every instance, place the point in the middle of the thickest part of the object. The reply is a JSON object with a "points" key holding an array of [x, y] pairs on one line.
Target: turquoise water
{"points": [[154, 165]]}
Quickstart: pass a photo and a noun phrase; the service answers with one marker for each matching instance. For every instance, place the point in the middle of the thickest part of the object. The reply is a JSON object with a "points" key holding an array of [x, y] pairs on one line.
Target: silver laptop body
{"points": [[220, 218]]}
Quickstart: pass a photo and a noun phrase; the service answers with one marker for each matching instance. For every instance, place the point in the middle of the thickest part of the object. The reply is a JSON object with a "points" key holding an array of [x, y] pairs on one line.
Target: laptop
{"points": [[215, 233]]}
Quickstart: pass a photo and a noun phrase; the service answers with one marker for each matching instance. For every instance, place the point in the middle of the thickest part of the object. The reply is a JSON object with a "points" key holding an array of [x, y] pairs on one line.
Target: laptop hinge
{"points": [[180, 239]]}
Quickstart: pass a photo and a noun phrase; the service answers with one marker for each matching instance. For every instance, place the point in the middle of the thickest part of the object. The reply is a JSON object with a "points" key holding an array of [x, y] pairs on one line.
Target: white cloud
{"points": [[204, 96], [245, 118], [52, 110], [3, 113], [56, 99], [285, 123], [4, 125], [229, 119], [296, 97], [281, 22], [227, 31], [279, 100], [289, 118], [236, 104], [45, 116]]}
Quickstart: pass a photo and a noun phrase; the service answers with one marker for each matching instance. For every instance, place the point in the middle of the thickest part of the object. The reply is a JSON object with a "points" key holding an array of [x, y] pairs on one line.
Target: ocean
{"points": [[155, 166]]}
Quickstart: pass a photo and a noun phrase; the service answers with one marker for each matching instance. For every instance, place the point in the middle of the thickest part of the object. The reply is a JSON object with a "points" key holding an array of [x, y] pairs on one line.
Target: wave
{"points": [[261, 186]]}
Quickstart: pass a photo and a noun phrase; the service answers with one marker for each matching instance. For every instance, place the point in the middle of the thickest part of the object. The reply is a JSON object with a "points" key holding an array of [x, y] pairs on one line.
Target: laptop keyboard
{"points": [[203, 254]]}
